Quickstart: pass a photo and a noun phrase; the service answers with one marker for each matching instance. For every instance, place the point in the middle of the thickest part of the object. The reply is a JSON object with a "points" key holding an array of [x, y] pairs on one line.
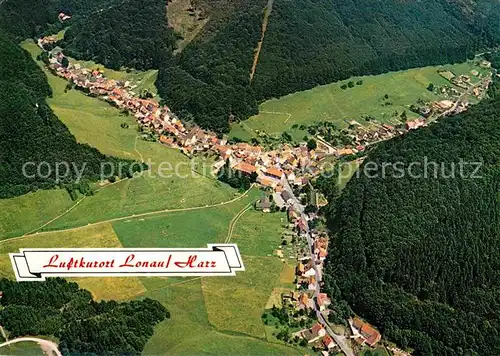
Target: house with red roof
{"points": [[328, 342], [245, 168]]}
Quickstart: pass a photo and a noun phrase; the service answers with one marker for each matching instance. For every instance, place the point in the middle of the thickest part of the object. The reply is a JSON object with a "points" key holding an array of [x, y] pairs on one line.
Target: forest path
{"points": [[265, 21]]}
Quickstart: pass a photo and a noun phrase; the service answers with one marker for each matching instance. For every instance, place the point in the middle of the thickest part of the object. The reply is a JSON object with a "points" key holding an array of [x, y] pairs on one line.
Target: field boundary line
{"points": [[235, 219], [136, 150], [278, 113], [70, 208], [134, 216]]}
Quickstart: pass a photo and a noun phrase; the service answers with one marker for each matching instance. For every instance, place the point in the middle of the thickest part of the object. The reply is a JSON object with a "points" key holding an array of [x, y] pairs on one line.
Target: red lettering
{"points": [[53, 259], [128, 261], [190, 262]]}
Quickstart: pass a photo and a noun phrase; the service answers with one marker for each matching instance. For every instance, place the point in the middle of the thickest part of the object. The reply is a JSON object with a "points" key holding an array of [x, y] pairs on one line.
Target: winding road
{"points": [[48, 347], [339, 339]]}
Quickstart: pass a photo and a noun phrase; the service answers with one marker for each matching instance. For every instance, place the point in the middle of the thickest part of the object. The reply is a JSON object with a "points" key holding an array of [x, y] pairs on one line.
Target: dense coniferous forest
{"points": [[314, 42], [30, 18], [420, 257], [210, 79], [83, 326], [131, 33], [307, 43], [30, 132]]}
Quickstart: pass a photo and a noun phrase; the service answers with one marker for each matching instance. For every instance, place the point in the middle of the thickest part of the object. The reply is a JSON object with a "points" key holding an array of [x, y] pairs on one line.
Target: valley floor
{"points": [[213, 315]]}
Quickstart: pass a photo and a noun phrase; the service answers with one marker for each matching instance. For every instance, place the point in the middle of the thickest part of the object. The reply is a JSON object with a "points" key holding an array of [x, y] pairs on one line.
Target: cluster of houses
{"points": [[363, 136], [296, 164], [317, 337], [277, 169], [293, 164]]}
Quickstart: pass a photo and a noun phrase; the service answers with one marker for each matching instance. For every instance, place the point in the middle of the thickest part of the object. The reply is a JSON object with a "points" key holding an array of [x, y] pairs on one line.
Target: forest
{"points": [[416, 248], [30, 18], [307, 43], [132, 33], [59, 308], [30, 132], [209, 80], [312, 42]]}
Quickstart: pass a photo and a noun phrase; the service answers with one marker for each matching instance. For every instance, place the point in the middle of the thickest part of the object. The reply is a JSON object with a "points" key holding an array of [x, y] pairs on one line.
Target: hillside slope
{"points": [[313, 42], [31, 133], [417, 256], [131, 33], [307, 43]]}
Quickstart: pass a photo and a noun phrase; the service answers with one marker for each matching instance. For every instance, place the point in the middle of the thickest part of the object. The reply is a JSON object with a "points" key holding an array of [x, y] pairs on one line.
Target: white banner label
{"points": [[216, 260]]}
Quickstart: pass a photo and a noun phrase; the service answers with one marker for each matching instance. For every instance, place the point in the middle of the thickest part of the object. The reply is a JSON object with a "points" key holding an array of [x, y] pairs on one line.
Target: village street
{"points": [[484, 83], [339, 339]]}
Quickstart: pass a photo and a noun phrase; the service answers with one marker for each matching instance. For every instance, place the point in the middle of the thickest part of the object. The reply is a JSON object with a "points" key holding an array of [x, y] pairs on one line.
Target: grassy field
{"points": [[149, 192], [101, 236], [181, 229], [27, 348], [348, 169], [246, 294], [189, 331], [331, 103], [258, 233], [214, 315], [26, 212], [96, 123]]}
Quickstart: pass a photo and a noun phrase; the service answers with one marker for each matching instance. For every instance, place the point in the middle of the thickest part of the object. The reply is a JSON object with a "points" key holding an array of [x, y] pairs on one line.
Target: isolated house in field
{"points": [[264, 204], [63, 17]]}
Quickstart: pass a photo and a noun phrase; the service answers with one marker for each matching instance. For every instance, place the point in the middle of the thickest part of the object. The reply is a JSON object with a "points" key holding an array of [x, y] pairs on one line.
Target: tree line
{"points": [[33, 141], [417, 254], [59, 308]]}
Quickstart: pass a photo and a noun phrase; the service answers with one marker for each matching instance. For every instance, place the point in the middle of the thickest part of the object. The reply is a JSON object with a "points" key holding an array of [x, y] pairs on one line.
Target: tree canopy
{"points": [[415, 247], [32, 137], [83, 326]]}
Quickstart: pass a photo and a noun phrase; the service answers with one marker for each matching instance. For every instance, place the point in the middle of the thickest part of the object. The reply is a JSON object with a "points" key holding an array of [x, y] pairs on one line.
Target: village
{"points": [[303, 315], [298, 163], [283, 172]]}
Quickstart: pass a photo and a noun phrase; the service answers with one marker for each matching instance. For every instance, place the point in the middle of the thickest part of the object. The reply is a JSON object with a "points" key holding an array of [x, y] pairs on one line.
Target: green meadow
{"points": [[332, 103], [27, 348], [96, 123], [214, 315]]}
